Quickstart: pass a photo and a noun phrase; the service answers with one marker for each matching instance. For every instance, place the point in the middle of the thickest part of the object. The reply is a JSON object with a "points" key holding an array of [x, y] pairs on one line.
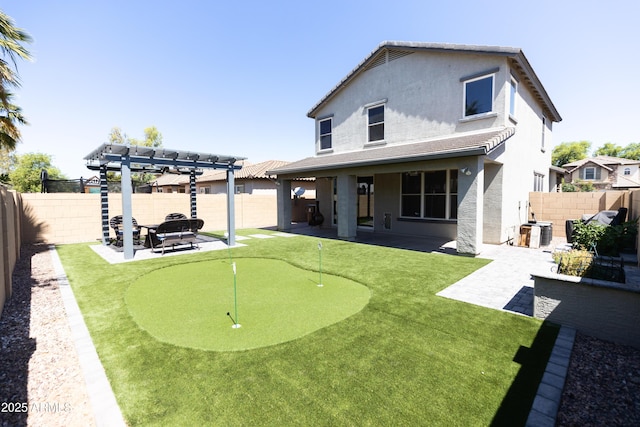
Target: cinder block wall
{"points": [[10, 207], [560, 207], [73, 218]]}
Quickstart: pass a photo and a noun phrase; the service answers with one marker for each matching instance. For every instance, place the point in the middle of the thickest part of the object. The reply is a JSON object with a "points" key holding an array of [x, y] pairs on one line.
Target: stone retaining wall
{"points": [[605, 310]]}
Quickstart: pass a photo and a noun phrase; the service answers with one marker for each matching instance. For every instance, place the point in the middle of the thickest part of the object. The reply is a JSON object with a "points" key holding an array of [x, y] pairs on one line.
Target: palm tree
{"points": [[11, 46], [10, 115]]}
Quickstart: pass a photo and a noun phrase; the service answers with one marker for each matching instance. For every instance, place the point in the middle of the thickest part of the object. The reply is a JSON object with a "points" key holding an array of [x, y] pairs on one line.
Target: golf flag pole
{"points": [[320, 263], [236, 324]]}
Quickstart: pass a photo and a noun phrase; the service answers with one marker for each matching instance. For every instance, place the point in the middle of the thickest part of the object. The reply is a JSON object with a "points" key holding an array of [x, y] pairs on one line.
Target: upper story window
{"points": [[544, 131], [591, 173], [325, 134], [376, 123], [627, 171], [512, 97], [478, 96], [538, 181]]}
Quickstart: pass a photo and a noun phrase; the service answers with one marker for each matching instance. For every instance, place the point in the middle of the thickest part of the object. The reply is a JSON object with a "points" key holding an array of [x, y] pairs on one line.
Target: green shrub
{"points": [[605, 239]]}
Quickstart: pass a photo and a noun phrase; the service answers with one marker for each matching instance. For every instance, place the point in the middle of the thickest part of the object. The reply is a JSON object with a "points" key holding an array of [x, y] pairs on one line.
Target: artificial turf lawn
{"points": [[187, 304], [408, 358]]}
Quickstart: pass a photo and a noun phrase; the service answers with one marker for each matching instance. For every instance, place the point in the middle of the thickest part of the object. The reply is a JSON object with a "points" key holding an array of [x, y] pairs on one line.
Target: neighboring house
{"points": [[605, 173], [251, 179], [436, 139], [92, 185], [170, 182]]}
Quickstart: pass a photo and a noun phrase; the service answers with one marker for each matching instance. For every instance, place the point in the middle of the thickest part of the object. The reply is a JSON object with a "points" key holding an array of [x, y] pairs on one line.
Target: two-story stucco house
{"points": [[429, 139], [605, 172]]}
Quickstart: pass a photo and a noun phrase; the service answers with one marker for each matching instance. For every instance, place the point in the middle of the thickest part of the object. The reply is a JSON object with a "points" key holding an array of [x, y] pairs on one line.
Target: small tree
{"points": [[152, 138], [609, 149], [568, 152], [25, 178]]}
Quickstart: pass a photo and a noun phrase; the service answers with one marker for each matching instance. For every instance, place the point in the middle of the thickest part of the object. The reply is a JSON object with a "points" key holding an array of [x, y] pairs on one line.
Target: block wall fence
{"points": [[560, 207], [10, 226], [76, 217]]}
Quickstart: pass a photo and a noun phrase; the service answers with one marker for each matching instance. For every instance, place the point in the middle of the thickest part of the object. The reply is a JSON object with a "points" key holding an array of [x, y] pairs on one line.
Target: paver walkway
{"points": [[505, 283]]}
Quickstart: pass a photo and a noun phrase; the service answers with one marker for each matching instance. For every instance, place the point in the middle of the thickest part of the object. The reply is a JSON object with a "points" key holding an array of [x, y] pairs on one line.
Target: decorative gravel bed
{"points": [[39, 365], [41, 382], [602, 385]]}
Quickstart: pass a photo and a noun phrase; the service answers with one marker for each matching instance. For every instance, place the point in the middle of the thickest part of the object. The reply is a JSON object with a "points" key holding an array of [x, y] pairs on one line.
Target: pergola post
{"points": [[104, 205], [192, 193], [127, 221], [231, 220]]}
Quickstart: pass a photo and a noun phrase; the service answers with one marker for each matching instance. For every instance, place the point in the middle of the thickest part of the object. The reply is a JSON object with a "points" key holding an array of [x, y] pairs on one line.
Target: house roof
{"points": [[471, 144], [248, 171], [602, 161], [399, 48]]}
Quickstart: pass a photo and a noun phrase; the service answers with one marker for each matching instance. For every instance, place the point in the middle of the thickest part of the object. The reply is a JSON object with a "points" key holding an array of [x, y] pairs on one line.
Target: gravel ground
{"points": [[40, 371], [41, 382], [602, 385]]}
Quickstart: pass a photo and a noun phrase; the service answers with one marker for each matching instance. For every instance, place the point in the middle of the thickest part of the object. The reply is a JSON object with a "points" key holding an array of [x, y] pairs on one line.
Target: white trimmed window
{"points": [[325, 130], [375, 123], [513, 92], [478, 95], [627, 171], [430, 195], [591, 173], [538, 181], [544, 131]]}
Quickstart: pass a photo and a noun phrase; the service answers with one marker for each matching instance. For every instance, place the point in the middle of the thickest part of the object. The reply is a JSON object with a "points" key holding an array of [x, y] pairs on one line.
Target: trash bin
{"points": [[546, 233], [569, 226]]}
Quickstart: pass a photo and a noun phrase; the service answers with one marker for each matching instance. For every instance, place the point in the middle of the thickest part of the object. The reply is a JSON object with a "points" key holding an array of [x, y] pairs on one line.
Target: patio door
{"points": [[365, 202]]}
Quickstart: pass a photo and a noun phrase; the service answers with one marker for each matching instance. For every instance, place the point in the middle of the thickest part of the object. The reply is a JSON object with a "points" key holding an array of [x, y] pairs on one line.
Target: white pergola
{"points": [[128, 158]]}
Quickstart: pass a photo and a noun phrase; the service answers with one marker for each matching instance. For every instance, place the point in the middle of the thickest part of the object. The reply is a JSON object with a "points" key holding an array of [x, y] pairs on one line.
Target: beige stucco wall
{"points": [[423, 98], [71, 218]]}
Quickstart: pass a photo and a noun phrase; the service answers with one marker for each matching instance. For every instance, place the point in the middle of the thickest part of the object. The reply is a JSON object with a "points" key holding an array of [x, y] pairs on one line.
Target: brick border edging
{"points": [[105, 408], [547, 401]]}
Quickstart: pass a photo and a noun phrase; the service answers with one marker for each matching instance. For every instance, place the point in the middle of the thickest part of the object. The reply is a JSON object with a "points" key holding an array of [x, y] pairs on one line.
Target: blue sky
{"points": [[239, 77]]}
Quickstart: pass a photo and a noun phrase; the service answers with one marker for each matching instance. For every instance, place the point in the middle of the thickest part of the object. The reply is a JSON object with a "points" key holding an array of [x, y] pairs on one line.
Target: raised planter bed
{"points": [[602, 309]]}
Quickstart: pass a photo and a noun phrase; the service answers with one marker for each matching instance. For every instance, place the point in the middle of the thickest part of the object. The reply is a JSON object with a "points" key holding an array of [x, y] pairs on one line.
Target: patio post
{"points": [[283, 194], [192, 193], [231, 215], [127, 221], [347, 187], [104, 205], [471, 207]]}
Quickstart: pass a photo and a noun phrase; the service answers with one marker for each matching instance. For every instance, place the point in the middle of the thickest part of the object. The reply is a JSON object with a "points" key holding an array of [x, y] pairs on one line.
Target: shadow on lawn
{"points": [[517, 403]]}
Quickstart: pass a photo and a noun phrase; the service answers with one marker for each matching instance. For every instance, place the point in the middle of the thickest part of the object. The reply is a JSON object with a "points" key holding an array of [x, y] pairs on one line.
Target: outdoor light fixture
{"points": [[465, 170]]}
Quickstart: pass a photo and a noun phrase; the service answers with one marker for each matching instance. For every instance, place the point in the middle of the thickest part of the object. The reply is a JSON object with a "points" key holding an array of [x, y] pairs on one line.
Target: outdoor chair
{"points": [[175, 215], [116, 224]]}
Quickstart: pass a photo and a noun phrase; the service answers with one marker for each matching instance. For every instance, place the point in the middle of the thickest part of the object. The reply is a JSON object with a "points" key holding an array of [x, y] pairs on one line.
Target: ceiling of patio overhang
{"points": [[156, 159]]}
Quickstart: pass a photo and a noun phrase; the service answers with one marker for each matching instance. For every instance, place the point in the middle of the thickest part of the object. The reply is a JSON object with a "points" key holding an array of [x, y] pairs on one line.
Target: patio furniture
{"points": [[175, 215], [116, 224], [175, 232]]}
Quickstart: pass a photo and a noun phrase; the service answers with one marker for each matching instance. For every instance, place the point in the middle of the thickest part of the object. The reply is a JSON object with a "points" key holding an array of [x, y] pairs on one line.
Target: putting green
{"points": [[187, 304]]}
